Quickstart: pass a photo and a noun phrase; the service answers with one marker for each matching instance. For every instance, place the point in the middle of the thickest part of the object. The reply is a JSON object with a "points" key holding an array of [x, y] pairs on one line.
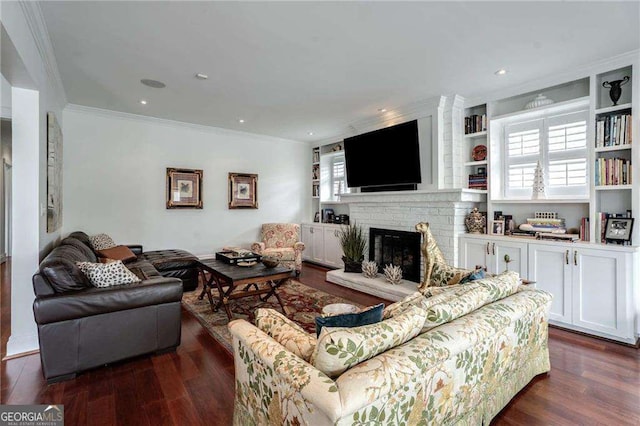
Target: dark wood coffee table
{"points": [[257, 280]]}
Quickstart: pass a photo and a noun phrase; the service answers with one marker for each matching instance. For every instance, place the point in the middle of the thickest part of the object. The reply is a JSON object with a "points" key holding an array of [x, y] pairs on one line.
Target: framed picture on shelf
{"points": [[481, 170], [497, 227], [316, 218], [243, 191], [618, 229], [184, 188]]}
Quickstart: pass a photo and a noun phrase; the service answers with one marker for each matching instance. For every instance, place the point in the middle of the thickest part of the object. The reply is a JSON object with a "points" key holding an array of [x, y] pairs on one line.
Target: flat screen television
{"points": [[388, 158]]}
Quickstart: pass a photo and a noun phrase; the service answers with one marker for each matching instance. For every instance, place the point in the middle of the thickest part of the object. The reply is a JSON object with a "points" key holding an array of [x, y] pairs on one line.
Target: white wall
{"points": [[36, 89], [115, 180]]}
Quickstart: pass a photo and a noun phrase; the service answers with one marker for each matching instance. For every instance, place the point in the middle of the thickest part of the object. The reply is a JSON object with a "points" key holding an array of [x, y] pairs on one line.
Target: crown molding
{"points": [[107, 113], [35, 20]]}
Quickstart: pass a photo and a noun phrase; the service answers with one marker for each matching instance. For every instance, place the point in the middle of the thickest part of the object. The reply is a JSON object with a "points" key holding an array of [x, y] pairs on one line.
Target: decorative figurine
{"points": [[475, 222]]}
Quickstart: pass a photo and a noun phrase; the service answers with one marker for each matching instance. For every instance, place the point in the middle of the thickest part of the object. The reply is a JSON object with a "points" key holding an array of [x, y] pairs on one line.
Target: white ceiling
{"points": [[292, 68]]}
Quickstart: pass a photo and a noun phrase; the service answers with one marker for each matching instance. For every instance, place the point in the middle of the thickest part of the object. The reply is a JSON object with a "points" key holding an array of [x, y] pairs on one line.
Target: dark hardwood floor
{"points": [[591, 382]]}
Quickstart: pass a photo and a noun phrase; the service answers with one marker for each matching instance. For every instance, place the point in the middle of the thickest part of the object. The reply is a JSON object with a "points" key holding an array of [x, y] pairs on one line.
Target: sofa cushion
{"points": [[285, 253], [81, 246], [143, 269], [107, 274], [82, 237], [370, 315], [60, 270], [442, 274], [123, 253], [101, 242], [95, 301], [165, 260], [340, 348], [286, 332], [469, 297]]}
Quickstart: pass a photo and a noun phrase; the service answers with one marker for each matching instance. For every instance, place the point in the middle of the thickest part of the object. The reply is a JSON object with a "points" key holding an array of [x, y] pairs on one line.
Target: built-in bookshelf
{"points": [[612, 155], [315, 180], [475, 147]]}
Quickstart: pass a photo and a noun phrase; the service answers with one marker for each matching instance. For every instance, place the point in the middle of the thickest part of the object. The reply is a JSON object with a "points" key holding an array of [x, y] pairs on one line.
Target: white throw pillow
{"points": [[101, 242], [107, 274]]}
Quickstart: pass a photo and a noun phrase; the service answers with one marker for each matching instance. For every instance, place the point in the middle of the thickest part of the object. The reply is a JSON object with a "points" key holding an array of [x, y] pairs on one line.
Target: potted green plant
{"points": [[353, 244]]}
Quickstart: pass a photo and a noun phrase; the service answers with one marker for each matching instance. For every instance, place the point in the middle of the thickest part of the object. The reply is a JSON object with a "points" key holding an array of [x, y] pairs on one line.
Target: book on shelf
{"points": [[612, 171], [613, 130], [478, 181], [584, 229], [475, 123]]}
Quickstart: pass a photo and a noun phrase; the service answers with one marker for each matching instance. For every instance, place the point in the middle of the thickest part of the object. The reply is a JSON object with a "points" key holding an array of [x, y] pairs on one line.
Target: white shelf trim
{"points": [[556, 107], [612, 187], [546, 201], [614, 148], [475, 163], [475, 135], [612, 108]]}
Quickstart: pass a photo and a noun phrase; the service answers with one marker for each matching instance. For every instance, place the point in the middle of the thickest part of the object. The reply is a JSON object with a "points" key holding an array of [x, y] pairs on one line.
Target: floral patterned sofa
{"points": [[282, 241], [449, 355]]}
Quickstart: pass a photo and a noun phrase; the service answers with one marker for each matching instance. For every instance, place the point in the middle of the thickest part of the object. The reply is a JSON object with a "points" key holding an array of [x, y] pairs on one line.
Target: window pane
{"points": [[523, 143], [521, 175], [568, 136], [568, 172]]}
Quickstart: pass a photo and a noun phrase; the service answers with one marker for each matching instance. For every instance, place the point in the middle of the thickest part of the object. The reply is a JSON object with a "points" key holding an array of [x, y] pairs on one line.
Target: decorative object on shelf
{"points": [[369, 269], [537, 192], [393, 274], [538, 101], [497, 227], [481, 170], [475, 222], [184, 188], [316, 217], [353, 244], [54, 173], [615, 89], [243, 191], [337, 147], [618, 230], [479, 153]]}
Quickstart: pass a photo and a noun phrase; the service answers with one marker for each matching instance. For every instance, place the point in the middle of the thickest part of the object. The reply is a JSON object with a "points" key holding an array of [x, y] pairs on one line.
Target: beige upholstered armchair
{"points": [[282, 241]]}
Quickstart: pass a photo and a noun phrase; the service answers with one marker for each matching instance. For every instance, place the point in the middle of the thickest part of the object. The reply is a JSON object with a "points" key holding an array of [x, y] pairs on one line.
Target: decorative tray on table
{"points": [[232, 257]]}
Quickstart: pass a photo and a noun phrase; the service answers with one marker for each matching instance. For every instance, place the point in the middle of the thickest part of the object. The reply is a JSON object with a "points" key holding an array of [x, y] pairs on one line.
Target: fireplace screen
{"points": [[400, 248]]}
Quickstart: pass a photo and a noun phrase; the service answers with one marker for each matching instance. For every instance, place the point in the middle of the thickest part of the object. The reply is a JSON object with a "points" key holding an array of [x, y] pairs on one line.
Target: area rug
{"points": [[302, 305]]}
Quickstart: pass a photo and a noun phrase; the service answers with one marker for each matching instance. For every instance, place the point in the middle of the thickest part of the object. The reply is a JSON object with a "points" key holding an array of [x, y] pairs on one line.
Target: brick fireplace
{"points": [[445, 210]]}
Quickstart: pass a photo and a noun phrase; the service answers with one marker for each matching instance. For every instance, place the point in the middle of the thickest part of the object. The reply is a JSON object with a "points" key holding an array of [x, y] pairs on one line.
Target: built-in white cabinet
{"points": [[322, 244], [490, 254], [593, 285]]}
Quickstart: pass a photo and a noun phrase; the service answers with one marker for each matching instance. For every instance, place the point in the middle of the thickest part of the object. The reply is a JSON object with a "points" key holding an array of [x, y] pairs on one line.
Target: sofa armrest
{"points": [[299, 246], [263, 365], [95, 301], [258, 247], [135, 248]]}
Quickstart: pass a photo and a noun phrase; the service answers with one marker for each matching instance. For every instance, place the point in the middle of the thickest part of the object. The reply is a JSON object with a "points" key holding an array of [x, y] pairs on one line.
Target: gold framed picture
{"points": [[184, 188], [243, 191]]}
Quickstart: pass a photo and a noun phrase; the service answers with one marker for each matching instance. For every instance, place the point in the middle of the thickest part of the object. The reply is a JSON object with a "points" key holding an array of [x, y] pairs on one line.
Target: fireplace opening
{"points": [[399, 248]]}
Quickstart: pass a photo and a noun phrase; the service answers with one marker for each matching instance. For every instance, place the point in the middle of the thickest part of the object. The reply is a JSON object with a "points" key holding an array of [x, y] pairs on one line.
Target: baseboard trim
{"points": [[20, 355], [24, 344]]}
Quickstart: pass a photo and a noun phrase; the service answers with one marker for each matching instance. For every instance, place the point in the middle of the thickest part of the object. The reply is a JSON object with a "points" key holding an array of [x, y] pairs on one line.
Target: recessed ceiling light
{"points": [[201, 76], [153, 83], [382, 110], [143, 102], [501, 71], [310, 133], [241, 121]]}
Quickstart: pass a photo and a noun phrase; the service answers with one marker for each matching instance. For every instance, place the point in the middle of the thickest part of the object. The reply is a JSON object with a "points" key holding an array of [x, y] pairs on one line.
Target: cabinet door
{"points": [[550, 268], [317, 244], [517, 252], [473, 252], [307, 239], [600, 292], [332, 248]]}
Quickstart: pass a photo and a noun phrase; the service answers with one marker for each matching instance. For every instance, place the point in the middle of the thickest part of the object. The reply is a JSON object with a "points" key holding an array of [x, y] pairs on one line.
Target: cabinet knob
{"points": [[311, 231], [575, 257], [488, 248], [335, 233], [494, 249], [566, 257]]}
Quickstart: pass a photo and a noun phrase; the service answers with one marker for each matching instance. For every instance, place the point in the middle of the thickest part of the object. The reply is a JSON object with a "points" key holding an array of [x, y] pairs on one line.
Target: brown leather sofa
{"points": [[81, 326]]}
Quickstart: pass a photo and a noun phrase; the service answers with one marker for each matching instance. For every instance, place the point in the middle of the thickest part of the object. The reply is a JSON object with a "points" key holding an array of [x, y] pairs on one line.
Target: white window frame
{"points": [[543, 123], [328, 180]]}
